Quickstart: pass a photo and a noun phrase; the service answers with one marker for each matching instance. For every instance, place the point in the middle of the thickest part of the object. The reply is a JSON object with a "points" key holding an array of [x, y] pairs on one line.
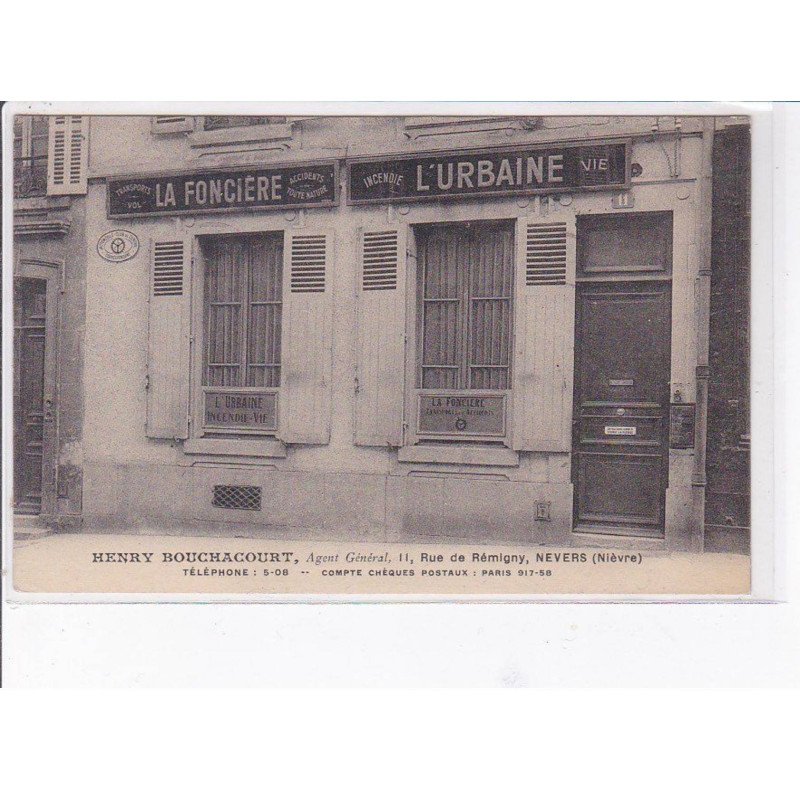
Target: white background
{"points": [[378, 744]]}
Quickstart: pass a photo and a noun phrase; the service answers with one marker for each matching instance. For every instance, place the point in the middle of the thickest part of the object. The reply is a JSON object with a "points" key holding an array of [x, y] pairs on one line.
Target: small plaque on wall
{"points": [[619, 430], [681, 426], [249, 411], [462, 415]]}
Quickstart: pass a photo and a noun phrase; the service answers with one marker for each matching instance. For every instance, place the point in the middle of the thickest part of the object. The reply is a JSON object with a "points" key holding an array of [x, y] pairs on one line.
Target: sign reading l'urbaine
{"points": [[528, 170]]}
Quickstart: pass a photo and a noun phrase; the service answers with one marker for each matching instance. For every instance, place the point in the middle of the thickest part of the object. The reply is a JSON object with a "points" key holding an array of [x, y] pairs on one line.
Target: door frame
{"points": [[51, 272], [623, 283]]}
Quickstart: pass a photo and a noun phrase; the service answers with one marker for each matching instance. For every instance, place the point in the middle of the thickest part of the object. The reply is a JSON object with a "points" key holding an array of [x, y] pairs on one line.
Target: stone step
{"points": [[30, 526]]}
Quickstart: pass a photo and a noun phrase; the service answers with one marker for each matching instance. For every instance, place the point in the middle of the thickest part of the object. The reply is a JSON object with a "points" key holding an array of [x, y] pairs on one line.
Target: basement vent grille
{"points": [[546, 254], [241, 498], [168, 268], [308, 263], [379, 270]]}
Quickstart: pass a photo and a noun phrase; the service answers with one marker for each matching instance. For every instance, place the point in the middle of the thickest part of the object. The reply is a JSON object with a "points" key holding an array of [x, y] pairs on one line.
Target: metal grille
{"points": [[379, 263], [308, 263], [241, 498], [168, 268], [546, 254], [30, 177]]}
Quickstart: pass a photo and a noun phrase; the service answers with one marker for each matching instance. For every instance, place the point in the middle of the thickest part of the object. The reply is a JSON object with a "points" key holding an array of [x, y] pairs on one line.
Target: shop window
{"points": [[215, 123], [464, 287], [242, 310], [30, 156]]}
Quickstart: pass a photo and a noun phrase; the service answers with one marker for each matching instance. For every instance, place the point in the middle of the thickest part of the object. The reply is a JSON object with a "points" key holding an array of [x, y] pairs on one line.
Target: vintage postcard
{"points": [[377, 355]]}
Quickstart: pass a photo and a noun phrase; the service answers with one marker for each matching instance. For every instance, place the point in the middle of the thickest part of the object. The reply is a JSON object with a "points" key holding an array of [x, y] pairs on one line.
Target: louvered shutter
{"points": [[305, 401], [171, 124], [544, 333], [168, 339], [381, 337], [545, 254], [68, 154]]}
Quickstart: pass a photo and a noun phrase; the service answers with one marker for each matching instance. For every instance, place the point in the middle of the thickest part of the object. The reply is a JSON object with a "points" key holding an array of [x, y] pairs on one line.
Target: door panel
{"points": [[619, 489], [30, 306], [623, 332], [620, 445]]}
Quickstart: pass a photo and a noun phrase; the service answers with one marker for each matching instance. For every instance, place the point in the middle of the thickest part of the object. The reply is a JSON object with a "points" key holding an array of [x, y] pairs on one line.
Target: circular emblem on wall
{"points": [[118, 246]]}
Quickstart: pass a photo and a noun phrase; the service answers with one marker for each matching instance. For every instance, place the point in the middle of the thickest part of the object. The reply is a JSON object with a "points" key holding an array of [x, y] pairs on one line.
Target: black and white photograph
{"points": [[381, 354]]}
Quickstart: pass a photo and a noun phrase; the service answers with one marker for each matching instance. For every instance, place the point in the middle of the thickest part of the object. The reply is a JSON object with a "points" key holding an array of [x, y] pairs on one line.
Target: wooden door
{"points": [[621, 408], [31, 410]]}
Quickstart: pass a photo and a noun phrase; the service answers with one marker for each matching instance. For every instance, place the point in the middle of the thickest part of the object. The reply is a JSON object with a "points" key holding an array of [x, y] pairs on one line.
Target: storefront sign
{"points": [[298, 186], [117, 246], [462, 415], [529, 170], [681, 426], [249, 411]]}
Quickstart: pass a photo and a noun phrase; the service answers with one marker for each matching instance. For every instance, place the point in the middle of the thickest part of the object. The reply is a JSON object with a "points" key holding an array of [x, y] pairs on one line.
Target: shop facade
{"points": [[396, 329]]}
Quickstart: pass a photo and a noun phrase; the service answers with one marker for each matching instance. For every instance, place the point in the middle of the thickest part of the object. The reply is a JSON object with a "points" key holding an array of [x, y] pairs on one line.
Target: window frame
{"points": [[25, 163], [465, 322], [199, 389], [414, 391], [585, 223]]}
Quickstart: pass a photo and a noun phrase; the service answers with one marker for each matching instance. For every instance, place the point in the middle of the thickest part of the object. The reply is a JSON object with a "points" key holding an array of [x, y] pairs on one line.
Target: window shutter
{"points": [[68, 154], [381, 337], [305, 401], [171, 124], [168, 339], [544, 330]]}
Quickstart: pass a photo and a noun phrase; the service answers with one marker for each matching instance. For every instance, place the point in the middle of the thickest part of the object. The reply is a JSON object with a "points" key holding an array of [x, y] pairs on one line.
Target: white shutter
{"points": [[168, 339], [68, 155], [171, 124], [544, 330], [306, 340], [381, 337]]}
